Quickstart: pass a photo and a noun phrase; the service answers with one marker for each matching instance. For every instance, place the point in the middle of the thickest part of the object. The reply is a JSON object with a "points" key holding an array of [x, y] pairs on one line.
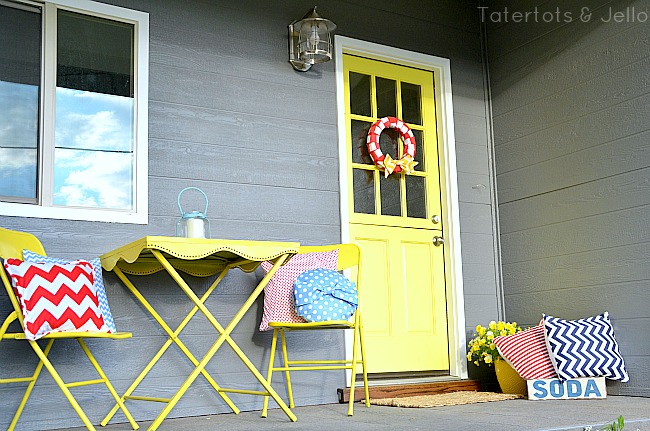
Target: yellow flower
{"points": [[482, 348]]}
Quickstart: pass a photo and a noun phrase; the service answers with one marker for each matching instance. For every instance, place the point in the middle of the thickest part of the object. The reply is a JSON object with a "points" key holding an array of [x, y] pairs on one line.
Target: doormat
{"points": [[448, 399]]}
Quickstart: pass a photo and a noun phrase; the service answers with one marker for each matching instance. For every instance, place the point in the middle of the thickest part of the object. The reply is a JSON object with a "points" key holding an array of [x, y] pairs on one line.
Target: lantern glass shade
{"points": [[310, 41]]}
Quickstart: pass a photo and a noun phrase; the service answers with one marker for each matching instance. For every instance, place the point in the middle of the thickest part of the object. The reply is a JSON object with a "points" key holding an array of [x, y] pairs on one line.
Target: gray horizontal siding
{"points": [[575, 134], [602, 92], [572, 157], [598, 53]]}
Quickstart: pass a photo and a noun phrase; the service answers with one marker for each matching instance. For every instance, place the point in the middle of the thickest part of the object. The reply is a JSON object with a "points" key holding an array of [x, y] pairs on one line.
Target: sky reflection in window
{"points": [[18, 139], [93, 157]]}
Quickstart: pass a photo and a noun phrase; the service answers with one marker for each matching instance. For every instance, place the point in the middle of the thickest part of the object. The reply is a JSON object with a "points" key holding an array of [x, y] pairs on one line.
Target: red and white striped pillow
{"points": [[526, 352], [56, 297]]}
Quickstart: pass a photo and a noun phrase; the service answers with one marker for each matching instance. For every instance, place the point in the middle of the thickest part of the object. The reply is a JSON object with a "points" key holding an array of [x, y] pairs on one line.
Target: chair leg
{"points": [[57, 378], [287, 375], [28, 391], [6, 323], [363, 363], [353, 374], [108, 384], [269, 373]]}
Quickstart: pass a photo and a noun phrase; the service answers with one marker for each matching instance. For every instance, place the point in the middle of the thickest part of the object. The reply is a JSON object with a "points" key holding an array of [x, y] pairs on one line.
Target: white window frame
{"points": [[139, 213]]}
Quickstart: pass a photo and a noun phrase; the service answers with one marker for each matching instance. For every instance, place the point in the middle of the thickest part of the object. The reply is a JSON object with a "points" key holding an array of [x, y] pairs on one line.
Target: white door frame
{"points": [[448, 180]]}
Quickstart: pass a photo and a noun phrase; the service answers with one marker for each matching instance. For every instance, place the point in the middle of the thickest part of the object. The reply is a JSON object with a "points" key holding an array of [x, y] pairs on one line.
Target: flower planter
{"points": [[509, 380]]}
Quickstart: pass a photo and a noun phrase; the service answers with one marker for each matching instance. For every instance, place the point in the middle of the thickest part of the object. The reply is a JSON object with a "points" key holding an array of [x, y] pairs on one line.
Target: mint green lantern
{"points": [[193, 224]]}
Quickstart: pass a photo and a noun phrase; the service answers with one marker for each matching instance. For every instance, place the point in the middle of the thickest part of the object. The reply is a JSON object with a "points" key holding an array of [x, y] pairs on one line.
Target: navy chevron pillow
{"points": [[584, 348]]}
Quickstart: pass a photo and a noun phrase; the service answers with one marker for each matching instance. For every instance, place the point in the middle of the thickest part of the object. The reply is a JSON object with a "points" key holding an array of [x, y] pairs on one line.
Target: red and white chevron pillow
{"points": [[55, 297]]}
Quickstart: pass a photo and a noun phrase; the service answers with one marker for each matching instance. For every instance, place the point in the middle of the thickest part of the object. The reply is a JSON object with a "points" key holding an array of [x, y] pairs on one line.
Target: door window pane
{"points": [[360, 94], [94, 136], [389, 142], [20, 72], [386, 98], [390, 195], [411, 103], [364, 191], [419, 149], [359, 139], [416, 205]]}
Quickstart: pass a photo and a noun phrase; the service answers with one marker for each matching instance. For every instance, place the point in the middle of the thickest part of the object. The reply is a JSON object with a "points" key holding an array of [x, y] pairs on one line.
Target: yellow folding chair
{"points": [[349, 257], [12, 244]]}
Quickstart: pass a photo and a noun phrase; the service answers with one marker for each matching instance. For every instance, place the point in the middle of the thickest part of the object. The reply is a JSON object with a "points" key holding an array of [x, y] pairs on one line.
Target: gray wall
{"points": [[571, 105], [221, 86]]}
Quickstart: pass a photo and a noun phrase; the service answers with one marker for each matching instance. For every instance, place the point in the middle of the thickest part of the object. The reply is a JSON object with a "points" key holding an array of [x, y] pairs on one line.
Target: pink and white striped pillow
{"points": [[526, 352]]}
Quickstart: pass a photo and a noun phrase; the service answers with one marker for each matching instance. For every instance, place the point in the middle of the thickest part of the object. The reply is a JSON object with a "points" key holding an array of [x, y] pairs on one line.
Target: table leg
{"points": [[223, 337], [173, 338]]}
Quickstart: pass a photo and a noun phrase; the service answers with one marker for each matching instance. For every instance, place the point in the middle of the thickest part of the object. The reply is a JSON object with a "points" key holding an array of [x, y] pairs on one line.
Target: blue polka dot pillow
{"points": [[324, 294]]}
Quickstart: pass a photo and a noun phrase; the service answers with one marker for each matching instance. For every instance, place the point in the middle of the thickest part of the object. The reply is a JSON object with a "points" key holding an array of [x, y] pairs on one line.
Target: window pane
{"points": [[364, 191], [390, 195], [94, 136], [415, 197], [93, 121], [386, 100], [20, 71], [360, 94], [419, 149], [18, 172], [359, 139], [92, 178], [94, 54], [411, 103], [389, 143]]}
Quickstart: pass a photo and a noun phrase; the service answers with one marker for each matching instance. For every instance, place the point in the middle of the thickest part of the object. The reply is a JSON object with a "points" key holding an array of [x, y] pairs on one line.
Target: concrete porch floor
{"points": [[514, 415]]}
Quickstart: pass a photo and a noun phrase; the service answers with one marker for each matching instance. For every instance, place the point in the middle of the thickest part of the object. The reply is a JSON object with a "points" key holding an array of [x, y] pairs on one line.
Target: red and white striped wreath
{"points": [[386, 162]]}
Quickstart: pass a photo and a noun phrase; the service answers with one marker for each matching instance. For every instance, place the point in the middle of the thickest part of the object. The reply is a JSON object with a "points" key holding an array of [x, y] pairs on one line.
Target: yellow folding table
{"points": [[202, 258]]}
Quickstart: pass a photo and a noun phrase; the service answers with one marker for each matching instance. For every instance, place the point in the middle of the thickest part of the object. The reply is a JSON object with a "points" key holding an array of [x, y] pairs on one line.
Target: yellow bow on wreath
{"points": [[406, 163]]}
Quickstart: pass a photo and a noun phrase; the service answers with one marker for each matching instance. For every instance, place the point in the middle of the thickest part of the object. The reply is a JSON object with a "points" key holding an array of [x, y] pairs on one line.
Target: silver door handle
{"points": [[435, 219], [438, 241]]}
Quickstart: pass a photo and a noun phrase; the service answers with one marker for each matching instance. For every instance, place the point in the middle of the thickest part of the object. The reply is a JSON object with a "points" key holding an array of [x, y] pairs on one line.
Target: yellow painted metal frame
{"points": [[349, 257], [12, 244], [201, 257]]}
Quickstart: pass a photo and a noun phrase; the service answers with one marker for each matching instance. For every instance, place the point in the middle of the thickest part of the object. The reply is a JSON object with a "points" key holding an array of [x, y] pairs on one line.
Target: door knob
{"points": [[435, 219], [438, 241]]}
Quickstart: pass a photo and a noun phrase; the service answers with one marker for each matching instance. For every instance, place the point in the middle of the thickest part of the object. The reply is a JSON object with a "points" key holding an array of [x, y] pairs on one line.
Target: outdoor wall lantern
{"points": [[310, 41]]}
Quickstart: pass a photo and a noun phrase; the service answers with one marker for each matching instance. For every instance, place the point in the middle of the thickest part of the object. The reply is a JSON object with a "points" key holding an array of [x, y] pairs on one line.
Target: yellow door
{"points": [[396, 219]]}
